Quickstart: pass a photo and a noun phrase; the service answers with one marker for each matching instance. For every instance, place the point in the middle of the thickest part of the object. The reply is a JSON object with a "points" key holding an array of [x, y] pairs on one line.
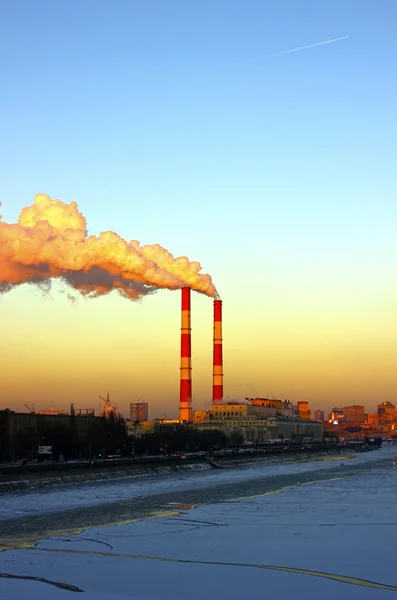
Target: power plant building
{"points": [[283, 408], [256, 423], [257, 419], [234, 412]]}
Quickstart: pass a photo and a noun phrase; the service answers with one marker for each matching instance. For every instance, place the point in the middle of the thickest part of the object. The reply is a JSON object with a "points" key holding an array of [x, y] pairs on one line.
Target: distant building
{"points": [[336, 415], [82, 412], [319, 415], [373, 419], [235, 413], [50, 411], [304, 411], [139, 411], [283, 407], [256, 423], [354, 414], [387, 412], [163, 425], [109, 409]]}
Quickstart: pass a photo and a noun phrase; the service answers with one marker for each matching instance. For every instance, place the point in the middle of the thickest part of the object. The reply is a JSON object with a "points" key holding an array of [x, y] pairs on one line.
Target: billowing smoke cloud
{"points": [[50, 241]]}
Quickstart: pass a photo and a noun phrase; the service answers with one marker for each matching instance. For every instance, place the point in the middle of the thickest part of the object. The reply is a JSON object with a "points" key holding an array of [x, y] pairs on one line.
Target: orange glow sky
{"points": [[278, 345]]}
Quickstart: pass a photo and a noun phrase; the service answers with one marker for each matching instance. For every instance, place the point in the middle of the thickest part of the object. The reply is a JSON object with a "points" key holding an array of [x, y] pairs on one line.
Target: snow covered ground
{"points": [[328, 539], [107, 492]]}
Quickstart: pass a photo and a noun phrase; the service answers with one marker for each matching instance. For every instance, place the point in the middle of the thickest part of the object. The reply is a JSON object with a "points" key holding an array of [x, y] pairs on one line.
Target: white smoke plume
{"points": [[50, 241]]}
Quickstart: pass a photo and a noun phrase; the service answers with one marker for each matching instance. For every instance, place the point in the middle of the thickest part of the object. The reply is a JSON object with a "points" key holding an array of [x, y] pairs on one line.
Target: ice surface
{"points": [[343, 527], [88, 494]]}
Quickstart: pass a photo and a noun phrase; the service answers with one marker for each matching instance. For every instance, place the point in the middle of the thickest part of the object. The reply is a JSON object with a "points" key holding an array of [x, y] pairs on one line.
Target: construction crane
{"points": [[30, 409], [109, 408]]}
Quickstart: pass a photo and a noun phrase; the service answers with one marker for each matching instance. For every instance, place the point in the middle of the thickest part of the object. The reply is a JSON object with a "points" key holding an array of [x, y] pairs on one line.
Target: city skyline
{"points": [[274, 175]]}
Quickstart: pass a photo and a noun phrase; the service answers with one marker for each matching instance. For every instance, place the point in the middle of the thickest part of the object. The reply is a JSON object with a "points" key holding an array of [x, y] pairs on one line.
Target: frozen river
{"points": [[27, 516], [308, 531]]}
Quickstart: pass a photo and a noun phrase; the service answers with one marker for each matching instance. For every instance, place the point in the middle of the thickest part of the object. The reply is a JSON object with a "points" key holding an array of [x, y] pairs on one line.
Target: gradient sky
{"points": [[278, 175]]}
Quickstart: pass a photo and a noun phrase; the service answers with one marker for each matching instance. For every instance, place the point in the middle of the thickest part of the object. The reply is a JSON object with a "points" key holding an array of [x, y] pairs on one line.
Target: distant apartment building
{"points": [[304, 411], [354, 414], [387, 412], [373, 419], [319, 415], [139, 411]]}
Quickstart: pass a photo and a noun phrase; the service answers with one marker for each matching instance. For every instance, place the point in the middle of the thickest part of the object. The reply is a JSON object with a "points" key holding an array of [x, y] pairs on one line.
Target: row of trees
{"points": [[184, 440], [72, 437], [69, 437]]}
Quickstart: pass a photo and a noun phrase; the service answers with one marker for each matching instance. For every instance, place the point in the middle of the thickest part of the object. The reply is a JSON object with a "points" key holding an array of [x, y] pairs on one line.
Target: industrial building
{"points": [[284, 408], [255, 423], [241, 413], [256, 418]]}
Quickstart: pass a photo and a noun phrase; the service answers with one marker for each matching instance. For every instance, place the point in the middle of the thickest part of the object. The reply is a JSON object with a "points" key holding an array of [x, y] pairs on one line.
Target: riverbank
{"points": [[86, 471], [31, 481]]}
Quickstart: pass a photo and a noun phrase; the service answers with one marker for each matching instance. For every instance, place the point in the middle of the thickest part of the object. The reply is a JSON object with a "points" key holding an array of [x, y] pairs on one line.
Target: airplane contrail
{"points": [[303, 47]]}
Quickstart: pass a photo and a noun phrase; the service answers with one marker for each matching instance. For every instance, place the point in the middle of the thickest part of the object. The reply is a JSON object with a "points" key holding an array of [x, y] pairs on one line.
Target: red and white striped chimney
{"points": [[185, 401], [217, 365]]}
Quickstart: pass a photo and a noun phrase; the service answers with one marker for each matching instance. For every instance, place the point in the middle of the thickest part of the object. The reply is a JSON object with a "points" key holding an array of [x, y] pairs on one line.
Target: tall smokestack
{"points": [[217, 368], [185, 402]]}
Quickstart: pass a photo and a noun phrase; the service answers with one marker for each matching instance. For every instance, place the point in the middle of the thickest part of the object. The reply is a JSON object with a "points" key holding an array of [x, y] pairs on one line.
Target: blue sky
{"points": [[145, 106], [158, 118]]}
